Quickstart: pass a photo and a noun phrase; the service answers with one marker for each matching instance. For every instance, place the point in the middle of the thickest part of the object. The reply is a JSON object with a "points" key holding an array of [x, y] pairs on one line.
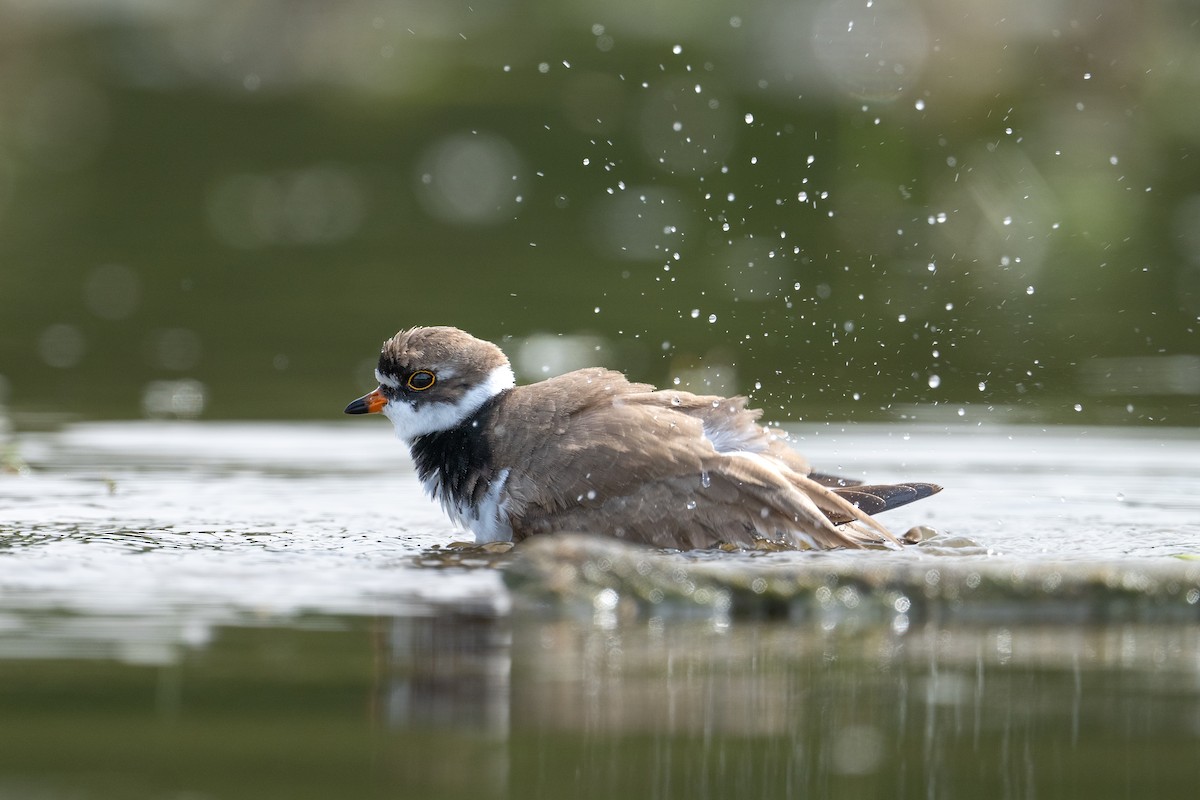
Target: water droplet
{"points": [[691, 505], [705, 480], [1028, 290], [712, 317], [1078, 406], [749, 118], [934, 381], [919, 105]]}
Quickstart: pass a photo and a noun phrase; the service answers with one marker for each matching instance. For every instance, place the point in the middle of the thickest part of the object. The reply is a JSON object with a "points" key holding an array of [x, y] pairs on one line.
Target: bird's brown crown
{"points": [[448, 352]]}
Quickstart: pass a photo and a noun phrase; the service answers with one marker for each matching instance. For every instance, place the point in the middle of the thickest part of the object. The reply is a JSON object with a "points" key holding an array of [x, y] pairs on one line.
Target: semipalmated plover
{"points": [[590, 452]]}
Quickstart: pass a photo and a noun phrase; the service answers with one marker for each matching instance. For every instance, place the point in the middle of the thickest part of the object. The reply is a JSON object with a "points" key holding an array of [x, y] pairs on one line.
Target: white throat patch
{"points": [[411, 422]]}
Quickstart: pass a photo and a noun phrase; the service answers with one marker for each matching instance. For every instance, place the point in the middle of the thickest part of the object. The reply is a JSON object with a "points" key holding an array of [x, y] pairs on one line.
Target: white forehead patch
{"points": [[386, 380]]}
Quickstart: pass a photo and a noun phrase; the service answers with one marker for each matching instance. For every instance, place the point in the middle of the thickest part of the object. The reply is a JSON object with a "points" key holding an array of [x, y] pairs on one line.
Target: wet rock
{"points": [[917, 534], [945, 578]]}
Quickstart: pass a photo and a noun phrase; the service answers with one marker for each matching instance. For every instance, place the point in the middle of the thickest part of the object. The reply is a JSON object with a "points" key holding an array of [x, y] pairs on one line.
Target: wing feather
{"points": [[665, 468]]}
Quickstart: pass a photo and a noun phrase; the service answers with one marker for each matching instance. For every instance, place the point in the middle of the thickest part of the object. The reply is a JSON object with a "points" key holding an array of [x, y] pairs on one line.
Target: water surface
{"points": [[237, 610]]}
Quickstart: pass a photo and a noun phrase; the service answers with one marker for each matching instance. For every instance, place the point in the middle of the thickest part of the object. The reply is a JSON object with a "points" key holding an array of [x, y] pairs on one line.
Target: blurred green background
{"points": [[849, 208]]}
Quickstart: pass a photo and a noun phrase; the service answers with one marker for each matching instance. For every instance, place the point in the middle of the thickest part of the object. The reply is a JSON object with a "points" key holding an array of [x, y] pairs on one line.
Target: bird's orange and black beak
{"points": [[371, 403]]}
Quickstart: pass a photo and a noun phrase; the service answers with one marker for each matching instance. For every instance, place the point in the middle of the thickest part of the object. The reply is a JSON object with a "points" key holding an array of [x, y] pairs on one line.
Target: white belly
{"points": [[488, 520]]}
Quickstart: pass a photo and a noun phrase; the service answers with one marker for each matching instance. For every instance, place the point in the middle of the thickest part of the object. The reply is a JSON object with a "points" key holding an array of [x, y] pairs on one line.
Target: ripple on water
{"points": [[291, 519]]}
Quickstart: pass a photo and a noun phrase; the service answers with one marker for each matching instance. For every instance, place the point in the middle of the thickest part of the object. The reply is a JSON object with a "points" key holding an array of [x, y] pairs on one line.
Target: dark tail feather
{"points": [[875, 499]]}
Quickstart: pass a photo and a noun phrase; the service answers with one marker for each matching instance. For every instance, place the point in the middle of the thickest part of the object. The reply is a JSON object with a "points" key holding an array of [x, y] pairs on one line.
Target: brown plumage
{"points": [[591, 452]]}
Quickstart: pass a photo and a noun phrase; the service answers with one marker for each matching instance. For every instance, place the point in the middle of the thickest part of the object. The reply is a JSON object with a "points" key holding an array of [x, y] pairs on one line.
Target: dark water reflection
{"points": [[466, 703]]}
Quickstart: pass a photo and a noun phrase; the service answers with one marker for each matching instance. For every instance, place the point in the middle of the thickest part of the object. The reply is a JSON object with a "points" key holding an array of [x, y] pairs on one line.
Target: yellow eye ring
{"points": [[421, 380]]}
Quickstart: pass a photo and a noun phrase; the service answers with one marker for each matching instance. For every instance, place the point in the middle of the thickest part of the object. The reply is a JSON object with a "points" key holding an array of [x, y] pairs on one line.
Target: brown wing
{"points": [[728, 423], [607, 456]]}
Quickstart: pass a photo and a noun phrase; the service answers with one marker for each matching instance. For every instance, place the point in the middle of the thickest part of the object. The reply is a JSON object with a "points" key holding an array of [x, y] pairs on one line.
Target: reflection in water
{"points": [[449, 671], [449, 674], [464, 702], [695, 707]]}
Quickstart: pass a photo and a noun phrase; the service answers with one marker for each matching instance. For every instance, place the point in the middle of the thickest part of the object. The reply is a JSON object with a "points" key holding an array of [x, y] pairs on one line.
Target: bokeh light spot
{"points": [[175, 348], [683, 132], [873, 52], [642, 223], [312, 206], [61, 346], [181, 399], [470, 179], [112, 291]]}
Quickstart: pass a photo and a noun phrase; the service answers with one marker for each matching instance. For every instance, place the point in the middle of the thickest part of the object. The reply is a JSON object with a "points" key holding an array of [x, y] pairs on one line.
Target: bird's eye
{"points": [[421, 380]]}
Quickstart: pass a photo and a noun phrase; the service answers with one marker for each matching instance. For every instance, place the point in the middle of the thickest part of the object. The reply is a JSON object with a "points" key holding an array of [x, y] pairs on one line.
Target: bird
{"points": [[591, 452]]}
